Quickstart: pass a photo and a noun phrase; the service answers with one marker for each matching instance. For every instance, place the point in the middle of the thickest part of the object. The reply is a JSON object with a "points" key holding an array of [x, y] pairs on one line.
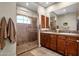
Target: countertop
{"points": [[61, 33]]}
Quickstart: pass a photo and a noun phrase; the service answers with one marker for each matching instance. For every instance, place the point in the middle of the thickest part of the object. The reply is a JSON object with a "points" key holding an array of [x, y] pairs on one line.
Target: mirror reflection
{"points": [[64, 19]]}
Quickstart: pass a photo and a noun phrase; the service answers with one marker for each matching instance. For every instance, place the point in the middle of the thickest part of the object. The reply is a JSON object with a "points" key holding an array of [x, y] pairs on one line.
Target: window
{"points": [[23, 19]]}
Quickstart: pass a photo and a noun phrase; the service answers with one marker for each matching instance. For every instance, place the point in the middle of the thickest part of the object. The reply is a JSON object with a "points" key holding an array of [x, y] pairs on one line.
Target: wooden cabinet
{"points": [[61, 44], [66, 45], [53, 42], [78, 49], [47, 22], [44, 21], [45, 40], [0, 43], [48, 41], [71, 46], [42, 39]]}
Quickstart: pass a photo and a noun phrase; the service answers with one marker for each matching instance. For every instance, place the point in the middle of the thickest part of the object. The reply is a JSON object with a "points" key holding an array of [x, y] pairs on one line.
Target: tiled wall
{"points": [[26, 32]]}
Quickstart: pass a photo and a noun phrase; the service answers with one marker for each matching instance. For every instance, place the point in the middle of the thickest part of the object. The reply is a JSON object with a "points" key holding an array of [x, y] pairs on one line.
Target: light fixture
{"points": [[64, 10], [27, 4], [47, 2]]}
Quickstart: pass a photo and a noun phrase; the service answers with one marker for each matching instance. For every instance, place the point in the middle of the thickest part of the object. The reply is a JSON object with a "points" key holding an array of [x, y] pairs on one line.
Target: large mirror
{"points": [[64, 19]]}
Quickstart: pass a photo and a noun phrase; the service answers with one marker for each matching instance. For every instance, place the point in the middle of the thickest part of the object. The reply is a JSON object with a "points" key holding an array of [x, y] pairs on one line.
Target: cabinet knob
{"points": [[77, 40]]}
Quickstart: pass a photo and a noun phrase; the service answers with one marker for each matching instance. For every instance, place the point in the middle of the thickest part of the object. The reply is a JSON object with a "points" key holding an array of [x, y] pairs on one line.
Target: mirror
{"points": [[64, 19], [52, 21]]}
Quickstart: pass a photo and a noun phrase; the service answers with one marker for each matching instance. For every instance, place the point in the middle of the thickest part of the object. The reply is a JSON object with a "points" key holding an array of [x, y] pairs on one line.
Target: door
{"points": [[53, 42], [42, 21], [42, 38], [47, 22], [61, 44], [47, 40], [26, 29], [78, 48], [71, 47]]}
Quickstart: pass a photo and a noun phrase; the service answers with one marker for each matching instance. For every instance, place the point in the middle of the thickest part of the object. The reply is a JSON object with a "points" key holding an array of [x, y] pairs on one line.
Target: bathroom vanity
{"points": [[63, 43]]}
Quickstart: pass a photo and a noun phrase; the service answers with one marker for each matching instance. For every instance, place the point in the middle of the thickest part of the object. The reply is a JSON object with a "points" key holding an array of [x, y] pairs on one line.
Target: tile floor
{"points": [[40, 52], [25, 47], [9, 49]]}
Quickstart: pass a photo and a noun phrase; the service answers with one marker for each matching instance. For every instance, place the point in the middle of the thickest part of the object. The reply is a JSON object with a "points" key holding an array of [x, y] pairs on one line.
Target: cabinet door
{"points": [[0, 44], [47, 22], [71, 47], [78, 49], [47, 40], [42, 39], [42, 21], [53, 42], [61, 44]]}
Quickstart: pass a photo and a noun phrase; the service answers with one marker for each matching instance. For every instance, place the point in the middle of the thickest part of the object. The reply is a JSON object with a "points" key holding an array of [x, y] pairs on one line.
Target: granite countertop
{"points": [[61, 33]]}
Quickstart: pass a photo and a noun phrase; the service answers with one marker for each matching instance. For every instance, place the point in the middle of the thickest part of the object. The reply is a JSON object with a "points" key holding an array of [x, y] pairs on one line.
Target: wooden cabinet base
{"points": [[71, 46], [71, 49], [65, 45]]}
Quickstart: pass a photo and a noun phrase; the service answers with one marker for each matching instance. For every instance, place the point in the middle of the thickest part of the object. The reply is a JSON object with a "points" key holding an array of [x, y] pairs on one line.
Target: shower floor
{"points": [[26, 47]]}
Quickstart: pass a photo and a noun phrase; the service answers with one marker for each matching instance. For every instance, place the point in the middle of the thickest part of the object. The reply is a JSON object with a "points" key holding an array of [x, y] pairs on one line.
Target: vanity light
{"points": [[27, 4]]}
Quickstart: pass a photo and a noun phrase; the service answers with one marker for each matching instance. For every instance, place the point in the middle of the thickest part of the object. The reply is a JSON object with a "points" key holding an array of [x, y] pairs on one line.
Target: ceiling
{"points": [[33, 6], [69, 9], [46, 4]]}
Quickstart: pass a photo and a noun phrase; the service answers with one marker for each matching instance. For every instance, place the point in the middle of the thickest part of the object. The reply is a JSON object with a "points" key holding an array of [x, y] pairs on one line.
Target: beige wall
{"points": [[8, 10], [70, 18]]}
